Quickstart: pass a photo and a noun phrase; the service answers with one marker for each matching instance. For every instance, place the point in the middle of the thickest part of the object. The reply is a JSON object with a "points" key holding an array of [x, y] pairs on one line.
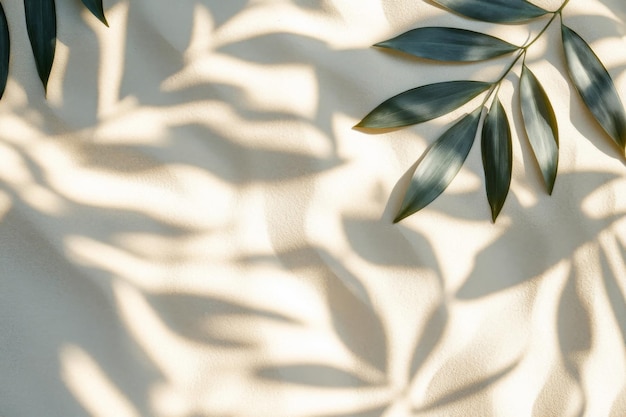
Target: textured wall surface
{"points": [[190, 227]]}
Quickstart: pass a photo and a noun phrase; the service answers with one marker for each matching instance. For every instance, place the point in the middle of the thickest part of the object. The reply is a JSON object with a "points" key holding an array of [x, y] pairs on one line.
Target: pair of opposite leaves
{"points": [[42, 29], [444, 158]]}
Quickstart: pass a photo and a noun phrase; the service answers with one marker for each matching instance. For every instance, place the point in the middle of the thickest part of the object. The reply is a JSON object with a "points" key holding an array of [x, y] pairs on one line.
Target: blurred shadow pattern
{"points": [[191, 228]]}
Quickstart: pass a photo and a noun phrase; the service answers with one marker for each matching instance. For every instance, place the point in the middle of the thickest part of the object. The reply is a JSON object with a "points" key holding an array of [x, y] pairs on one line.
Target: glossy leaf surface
{"points": [[439, 165], [5, 47], [496, 11], [497, 154], [422, 104], [540, 124], [95, 7], [449, 44], [41, 25], [594, 85]]}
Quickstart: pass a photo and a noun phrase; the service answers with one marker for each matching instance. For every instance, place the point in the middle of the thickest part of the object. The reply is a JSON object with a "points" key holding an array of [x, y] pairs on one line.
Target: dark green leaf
{"points": [[449, 44], [439, 165], [42, 29], [497, 155], [95, 7], [541, 126], [422, 104], [4, 50], [595, 86], [496, 11]]}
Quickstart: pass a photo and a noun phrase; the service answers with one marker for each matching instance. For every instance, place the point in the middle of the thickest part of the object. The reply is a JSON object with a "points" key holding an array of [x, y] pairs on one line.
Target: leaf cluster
{"points": [[444, 158], [42, 28]]}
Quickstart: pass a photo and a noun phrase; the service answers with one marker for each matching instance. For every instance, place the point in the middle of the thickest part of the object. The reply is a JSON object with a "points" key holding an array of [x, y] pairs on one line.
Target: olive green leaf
{"points": [[42, 28], [4, 51], [449, 44], [541, 126], [422, 104], [439, 165], [594, 85], [496, 11], [95, 7], [497, 153]]}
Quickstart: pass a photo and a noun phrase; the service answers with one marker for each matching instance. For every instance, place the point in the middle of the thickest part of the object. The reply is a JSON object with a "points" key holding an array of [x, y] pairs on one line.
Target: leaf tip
{"points": [[403, 214]]}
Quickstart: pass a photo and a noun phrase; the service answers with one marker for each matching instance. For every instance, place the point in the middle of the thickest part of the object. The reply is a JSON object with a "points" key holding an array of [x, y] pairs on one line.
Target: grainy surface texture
{"points": [[190, 227]]}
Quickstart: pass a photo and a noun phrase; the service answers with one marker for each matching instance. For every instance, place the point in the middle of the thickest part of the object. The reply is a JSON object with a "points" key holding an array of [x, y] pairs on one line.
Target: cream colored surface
{"points": [[190, 227]]}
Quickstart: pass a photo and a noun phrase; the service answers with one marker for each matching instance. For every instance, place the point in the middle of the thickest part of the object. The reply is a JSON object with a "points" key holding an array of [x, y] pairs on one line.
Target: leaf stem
{"points": [[493, 90], [560, 9]]}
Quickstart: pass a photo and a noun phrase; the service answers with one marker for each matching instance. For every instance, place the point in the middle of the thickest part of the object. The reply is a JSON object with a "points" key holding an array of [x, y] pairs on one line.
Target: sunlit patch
{"points": [[116, 262], [17, 130], [170, 401], [42, 199], [288, 88], [201, 33], [112, 42], [91, 386], [54, 92], [605, 201]]}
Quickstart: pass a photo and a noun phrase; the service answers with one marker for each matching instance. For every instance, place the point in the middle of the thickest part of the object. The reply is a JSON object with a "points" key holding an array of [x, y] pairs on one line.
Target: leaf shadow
{"points": [[312, 375], [466, 391], [35, 273], [194, 317], [533, 241]]}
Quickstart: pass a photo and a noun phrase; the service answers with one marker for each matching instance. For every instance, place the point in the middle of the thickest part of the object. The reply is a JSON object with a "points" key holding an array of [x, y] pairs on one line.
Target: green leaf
{"points": [[594, 85], [496, 11], [541, 126], [95, 7], [497, 153], [449, 44], [422, 104], [439, 165], [5, 46], [42, 28]]}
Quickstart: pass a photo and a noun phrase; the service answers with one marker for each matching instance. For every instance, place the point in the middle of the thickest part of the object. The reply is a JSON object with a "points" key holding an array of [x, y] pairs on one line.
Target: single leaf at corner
{"points": [[422, 104], [439, 165], [594, 85], [4, 51], [541, 127], [42, 29], [449, 44], [495, 11], [95, 7], [497, 153]]}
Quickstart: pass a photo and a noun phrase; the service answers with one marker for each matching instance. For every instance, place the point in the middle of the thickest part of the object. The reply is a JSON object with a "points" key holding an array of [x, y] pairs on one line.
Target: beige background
{"points": [[190, 227]]}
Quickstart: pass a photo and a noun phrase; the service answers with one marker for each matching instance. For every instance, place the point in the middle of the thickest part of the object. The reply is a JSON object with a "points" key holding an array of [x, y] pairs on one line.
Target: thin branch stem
{"points": [[495, 87]]}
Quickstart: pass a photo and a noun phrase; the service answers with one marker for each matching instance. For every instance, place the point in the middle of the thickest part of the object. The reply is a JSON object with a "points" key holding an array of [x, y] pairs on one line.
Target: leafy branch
{"points": [[444, 158], [42, 27]]}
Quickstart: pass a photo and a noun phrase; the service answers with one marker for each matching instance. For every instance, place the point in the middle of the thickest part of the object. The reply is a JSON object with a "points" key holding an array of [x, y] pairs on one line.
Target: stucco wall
{"points": [[190, 227]]}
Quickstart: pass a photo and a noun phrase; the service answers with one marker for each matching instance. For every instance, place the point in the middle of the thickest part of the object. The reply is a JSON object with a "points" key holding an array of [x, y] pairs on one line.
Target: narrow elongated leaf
{"points": [[422, 104], [449, 44], [439, 165], [95, 7], [541, 126], [42, 29], [496, 11], [5, 46], [497, 153], [594, 85]]}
